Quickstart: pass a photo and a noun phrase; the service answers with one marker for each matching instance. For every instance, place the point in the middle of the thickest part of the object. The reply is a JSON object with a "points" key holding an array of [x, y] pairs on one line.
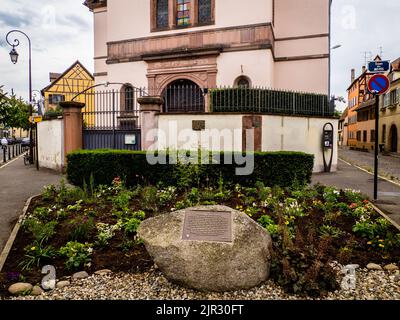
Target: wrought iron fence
{"points": [[262, 100]]}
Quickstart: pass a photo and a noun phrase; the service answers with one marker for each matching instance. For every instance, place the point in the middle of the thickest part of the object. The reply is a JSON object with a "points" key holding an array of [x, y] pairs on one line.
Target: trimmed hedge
{"points": [[273, 168]]}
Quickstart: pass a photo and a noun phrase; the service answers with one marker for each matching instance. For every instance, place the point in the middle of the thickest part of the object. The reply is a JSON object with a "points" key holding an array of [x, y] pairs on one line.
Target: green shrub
{"points": [[271, 168]]}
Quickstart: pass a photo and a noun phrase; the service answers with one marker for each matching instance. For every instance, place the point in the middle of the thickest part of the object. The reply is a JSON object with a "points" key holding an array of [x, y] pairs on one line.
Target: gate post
{"points": [[73, 126], [150, 107]]}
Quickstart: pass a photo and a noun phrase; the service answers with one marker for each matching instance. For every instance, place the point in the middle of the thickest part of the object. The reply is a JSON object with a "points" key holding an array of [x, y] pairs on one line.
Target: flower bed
{"points": [[94, 228]]}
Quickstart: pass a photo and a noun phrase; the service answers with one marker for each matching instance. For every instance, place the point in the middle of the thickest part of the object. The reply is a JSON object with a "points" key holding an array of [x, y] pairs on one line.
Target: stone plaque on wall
{"points": [[198, 125], [207, 226]]}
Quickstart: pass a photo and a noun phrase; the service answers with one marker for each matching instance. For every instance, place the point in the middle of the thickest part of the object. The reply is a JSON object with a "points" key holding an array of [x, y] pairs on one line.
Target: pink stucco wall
{"points": [[294, 18]]}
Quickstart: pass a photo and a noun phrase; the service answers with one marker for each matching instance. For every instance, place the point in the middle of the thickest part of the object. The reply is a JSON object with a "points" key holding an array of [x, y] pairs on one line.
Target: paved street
{"points": [[389, 166], [17, 183], [348, 176]]}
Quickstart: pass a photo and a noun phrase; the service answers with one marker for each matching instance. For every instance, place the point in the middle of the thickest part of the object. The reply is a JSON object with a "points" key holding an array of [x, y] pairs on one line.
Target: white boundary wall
{"points": [[279, 133], [51, 144]]}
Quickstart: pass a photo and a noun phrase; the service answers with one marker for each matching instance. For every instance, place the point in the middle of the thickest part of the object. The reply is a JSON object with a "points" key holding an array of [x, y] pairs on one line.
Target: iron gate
{"points": [[111, 119]]}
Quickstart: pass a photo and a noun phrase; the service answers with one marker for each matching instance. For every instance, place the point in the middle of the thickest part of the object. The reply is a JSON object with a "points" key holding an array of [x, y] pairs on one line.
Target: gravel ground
{"points": [[371, 285]]}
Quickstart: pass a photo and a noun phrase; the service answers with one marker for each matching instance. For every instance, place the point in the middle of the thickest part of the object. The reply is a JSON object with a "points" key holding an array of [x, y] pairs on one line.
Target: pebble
{"points": [[374, 266], [152, 285], [80, 275], [20, 287], [37, 291], [103, 272], [391, 267], [62, 284]]}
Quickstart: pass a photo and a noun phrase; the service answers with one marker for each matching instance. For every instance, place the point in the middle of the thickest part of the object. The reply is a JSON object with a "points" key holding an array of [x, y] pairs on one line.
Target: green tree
{"points": [[14, 112]]}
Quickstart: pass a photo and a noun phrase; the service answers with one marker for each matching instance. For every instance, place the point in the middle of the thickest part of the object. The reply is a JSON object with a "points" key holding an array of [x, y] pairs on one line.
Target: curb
{"points": [[13, 235], [385, 216], [11, 161], [370, 173]]}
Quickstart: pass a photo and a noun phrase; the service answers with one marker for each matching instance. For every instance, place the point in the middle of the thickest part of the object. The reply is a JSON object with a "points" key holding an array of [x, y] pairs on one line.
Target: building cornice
{"points": [[94, 4]]}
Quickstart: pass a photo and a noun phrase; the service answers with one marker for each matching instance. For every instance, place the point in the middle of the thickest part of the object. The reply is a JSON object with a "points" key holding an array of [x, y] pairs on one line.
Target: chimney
{"points": [[364, 68], [353, 75], [53, 76]]}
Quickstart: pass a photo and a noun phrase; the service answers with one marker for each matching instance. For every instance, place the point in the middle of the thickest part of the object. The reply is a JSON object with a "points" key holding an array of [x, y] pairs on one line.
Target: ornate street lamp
{"points": [[14, 56], [14, 59]]}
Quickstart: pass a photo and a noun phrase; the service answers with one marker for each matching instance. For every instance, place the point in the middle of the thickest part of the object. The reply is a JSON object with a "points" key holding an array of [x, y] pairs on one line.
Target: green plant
{"points": [[166, 196], [331, 194], [131, 224], [271, 168], [330, 231], [268, 223], [43, 213], [82, 228], [49, 192], [36, 254], [41, 232], [353, 196], [149, 198], [105, 233], [127, 245], [300, 265], [75, 207], [122, 200], [77, 254], [194, 196]]}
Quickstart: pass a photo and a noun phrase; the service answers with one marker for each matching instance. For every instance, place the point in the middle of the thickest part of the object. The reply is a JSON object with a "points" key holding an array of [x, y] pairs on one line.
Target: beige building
{"points": [[390, 111], [156, 43]]}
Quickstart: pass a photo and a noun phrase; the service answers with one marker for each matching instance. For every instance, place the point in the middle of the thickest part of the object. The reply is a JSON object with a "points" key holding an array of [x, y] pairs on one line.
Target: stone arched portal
{"points": [[183, 95]]}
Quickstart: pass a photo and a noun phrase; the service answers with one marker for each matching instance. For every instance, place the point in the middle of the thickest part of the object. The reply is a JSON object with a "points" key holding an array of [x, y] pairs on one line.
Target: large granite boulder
{"points": [[225, 261]]}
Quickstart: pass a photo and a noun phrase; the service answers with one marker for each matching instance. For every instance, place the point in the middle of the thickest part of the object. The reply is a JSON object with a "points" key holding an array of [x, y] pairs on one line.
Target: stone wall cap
{"points": [[71, 104], [151, 100]]}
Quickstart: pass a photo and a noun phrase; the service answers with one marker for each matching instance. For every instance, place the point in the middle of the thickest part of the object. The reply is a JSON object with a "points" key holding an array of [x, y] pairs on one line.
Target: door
{"points": [[393, 139]]}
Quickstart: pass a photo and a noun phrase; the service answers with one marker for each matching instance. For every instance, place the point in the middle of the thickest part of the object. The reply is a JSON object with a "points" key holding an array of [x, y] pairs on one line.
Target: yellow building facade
{"points": [[67, 86], [390, 112]]}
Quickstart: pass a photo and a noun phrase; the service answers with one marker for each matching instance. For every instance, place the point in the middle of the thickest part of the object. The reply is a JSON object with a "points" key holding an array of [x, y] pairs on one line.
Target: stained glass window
{"points": [[182, 13], [204, 11], [162, 14]]}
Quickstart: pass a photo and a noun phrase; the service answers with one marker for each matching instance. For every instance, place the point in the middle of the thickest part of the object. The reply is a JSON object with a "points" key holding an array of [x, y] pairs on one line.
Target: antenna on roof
{"points": [[367, 56], [381, 51]]}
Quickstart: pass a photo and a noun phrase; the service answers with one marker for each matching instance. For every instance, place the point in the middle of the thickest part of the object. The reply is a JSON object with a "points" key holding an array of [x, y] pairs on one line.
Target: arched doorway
{"points": [[183, 96], [393, 139]]}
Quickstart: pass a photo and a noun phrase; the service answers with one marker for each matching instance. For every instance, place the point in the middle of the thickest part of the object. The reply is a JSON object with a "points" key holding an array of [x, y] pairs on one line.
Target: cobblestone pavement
{"points": [[389, 166]]}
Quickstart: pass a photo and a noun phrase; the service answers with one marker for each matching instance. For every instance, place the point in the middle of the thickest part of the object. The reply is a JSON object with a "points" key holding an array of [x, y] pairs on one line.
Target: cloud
{"points": [[61, 33], [13, 20]]}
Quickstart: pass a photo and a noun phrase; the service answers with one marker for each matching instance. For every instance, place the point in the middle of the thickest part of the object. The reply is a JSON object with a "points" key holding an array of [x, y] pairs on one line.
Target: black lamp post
{"points": [[14, 59]]}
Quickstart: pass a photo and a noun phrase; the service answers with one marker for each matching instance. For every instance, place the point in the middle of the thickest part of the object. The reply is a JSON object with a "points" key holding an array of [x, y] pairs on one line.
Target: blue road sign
{"points": [[378, 84], [378, 66]]}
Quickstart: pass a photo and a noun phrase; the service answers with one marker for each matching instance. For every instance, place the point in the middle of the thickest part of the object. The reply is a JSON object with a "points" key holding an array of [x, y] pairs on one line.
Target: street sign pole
{"points": [[377, 85], [376, 165]]}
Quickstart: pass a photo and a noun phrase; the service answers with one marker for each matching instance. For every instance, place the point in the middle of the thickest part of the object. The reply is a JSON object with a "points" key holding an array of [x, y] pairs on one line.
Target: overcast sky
{"points": [[62, 32]]}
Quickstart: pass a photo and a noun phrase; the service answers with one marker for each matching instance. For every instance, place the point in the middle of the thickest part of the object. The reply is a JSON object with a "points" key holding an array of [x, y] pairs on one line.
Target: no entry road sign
{"points": [[378, 84]]}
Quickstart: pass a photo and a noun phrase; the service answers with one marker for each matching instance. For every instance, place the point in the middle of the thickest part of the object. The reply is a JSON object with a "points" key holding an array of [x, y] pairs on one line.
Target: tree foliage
{"points": [[14, 112]]}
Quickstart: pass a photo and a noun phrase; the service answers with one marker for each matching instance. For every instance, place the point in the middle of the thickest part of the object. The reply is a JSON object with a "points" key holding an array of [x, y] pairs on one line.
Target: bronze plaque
{"points": [[207, 226], [198, 125]]}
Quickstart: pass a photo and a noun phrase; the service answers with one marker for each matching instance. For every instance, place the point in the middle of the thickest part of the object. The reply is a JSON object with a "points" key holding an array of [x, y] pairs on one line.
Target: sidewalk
{"points": [[350, 177], [17, 183]]}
